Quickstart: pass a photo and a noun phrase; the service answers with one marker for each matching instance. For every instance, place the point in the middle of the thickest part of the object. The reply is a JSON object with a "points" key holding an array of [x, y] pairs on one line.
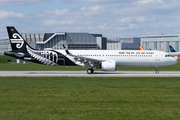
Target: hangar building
{"points": [[160, 42], [4, 44], [123, 43]]}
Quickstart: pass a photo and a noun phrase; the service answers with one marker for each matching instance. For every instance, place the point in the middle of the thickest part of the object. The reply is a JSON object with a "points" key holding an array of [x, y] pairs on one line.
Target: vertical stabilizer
{"points": [[17, 41], [141, 48], [171, 49]]}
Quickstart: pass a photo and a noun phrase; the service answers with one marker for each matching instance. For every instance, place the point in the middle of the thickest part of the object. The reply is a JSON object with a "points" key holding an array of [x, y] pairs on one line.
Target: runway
{"points": [[84, 74]]}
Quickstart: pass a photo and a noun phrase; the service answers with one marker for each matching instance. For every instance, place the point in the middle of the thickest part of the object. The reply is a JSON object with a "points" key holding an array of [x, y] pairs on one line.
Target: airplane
{"points": [[173, 52], [106, 60]]}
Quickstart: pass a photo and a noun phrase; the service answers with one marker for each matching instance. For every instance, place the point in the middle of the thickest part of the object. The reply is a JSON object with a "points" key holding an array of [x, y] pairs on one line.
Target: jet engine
{"points": [[108, 66]]}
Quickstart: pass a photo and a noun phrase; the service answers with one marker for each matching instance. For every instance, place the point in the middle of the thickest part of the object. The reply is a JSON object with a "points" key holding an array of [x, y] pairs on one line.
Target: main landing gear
{"points": [[157, 71], [90, 71]]}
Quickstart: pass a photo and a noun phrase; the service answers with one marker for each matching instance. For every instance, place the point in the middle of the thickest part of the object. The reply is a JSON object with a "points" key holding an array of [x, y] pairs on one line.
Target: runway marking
{"points": [[84, 74]]}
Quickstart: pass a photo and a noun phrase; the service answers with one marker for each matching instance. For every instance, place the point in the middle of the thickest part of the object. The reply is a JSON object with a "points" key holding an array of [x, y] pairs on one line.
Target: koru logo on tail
{"points": [[18, 40]]}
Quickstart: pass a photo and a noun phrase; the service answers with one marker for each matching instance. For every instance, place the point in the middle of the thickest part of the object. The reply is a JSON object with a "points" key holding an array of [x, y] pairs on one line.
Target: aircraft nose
{"points": [[174, 61]]}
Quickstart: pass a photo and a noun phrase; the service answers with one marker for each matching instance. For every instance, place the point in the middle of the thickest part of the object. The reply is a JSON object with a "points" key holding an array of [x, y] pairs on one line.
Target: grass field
{"points": [[65, 98], [4, 66]]}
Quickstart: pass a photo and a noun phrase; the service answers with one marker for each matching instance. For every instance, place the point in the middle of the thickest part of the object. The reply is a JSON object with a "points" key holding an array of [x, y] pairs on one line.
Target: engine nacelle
{"points": [[108, 66]]}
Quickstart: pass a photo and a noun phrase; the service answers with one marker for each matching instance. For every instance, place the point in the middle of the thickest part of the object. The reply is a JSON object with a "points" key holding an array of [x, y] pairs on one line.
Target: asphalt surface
{"points": [[84, 74]]}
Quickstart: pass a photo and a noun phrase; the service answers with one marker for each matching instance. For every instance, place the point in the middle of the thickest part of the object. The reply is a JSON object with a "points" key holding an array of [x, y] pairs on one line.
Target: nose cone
{"points": [[173, 61]]}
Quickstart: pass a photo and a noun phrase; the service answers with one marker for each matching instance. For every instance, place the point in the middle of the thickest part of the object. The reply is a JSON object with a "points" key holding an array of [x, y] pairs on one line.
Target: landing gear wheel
{"points": [[90, 71], [157, 72]]}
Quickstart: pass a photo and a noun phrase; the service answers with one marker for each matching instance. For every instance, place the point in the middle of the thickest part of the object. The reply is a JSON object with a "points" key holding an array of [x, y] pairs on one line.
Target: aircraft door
{"points": [[157, 57]]}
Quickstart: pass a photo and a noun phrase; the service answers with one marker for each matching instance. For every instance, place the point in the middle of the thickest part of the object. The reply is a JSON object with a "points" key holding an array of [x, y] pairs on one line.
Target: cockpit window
{"points": [[168, 56]]}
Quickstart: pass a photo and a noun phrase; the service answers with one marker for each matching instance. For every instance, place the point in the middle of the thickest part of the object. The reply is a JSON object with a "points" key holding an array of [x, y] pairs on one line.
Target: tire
{"points": [[157, 72], [90, 71]]}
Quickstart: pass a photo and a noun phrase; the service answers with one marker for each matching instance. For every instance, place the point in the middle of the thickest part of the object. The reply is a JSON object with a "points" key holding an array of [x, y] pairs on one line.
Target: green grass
{"points": [[3, 59], [4, 66], [66, 98]]}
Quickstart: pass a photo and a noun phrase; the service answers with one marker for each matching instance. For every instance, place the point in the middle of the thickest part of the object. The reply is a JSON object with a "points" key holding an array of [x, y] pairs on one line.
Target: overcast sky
{"points": [[112, 18]]}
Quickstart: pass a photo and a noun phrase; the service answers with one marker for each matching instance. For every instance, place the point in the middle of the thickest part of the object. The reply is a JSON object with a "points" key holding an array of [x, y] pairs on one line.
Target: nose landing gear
{"points": [[157, 71]]}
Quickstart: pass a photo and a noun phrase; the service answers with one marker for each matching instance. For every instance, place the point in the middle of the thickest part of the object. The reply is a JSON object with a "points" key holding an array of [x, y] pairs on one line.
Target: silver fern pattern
{"points": [[44, 57]]}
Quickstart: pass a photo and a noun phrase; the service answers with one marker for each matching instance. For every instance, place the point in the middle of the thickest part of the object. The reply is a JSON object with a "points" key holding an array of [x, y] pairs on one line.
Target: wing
{"points": [[84, 61]]}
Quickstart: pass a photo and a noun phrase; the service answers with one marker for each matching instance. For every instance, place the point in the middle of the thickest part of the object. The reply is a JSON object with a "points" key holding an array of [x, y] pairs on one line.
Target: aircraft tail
{"points": [[18, 44], [17, 41], [171, 49], [22, 50], [141, 48]]}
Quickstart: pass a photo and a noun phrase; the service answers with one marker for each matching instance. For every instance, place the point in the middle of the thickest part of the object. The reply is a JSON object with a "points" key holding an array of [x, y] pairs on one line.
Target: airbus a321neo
{"points": [[106, 60]]}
